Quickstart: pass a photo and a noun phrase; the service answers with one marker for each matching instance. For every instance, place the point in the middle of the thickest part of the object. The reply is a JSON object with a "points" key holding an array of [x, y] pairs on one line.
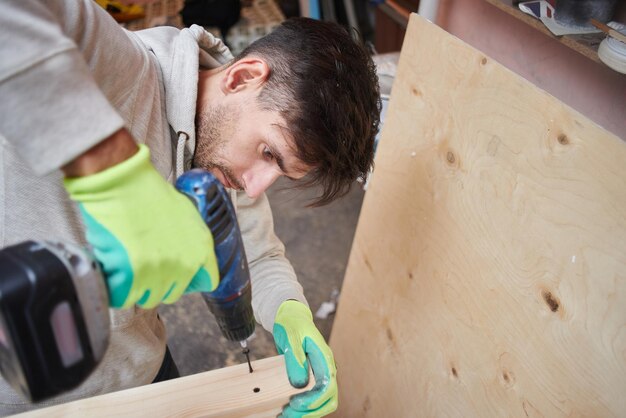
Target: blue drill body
{"points": [[231, 301]]}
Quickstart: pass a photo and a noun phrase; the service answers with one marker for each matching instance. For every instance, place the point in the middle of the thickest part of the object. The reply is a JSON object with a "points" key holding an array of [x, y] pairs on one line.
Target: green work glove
{"points": [[150, 240], [297, 338]]}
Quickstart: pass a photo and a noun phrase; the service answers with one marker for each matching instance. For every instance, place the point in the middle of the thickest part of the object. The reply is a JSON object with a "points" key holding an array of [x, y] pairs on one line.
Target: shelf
{"points": [[399, 10], [586, 44]]}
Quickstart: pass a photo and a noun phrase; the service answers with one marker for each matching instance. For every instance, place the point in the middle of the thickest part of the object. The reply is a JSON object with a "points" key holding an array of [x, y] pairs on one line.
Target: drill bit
{"points": [[246, 351]]}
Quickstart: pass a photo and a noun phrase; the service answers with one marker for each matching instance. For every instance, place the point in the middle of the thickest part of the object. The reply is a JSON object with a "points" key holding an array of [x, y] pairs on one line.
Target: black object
{"points": [[168, 368], [579, 12], [44, 342], [222, 14]]}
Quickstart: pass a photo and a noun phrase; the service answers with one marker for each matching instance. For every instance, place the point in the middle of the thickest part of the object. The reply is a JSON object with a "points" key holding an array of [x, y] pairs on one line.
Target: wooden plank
{"points": [[487, 276], [226, 393]]}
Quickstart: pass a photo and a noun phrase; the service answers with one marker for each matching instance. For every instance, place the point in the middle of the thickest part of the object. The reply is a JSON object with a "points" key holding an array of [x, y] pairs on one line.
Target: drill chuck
{"points": [[235, 319], [231, 301]]}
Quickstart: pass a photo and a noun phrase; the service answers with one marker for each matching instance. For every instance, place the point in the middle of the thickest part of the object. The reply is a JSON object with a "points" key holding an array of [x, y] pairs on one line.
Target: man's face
{"points": [[245, 147]]}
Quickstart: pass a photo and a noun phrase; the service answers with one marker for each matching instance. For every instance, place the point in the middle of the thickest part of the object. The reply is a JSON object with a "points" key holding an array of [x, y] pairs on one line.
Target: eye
{"points": [[267, 154]]}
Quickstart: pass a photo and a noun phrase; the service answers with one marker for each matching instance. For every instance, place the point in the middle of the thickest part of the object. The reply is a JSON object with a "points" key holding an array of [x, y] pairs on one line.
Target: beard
{"points": [[215, 126]]}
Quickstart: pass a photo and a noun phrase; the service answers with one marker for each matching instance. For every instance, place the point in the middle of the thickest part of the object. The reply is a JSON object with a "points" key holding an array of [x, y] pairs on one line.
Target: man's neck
{"points": [[207, 87]]}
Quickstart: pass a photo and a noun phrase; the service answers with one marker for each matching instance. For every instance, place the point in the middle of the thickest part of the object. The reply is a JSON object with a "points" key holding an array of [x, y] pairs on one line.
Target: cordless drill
{"points": [[54, 320], [231, 301]]}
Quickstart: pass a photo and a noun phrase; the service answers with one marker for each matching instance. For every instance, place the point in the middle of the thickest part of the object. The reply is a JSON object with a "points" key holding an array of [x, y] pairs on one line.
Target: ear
{"points": [[249, 72]]}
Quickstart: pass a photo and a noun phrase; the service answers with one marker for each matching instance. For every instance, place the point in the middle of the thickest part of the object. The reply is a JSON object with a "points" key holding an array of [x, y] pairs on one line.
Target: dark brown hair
{"points": [[324, 84]]}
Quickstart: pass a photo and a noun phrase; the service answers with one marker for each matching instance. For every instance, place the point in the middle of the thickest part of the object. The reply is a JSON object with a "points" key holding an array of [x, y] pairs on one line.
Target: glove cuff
{"points": [[293, 309], [112, 177]]}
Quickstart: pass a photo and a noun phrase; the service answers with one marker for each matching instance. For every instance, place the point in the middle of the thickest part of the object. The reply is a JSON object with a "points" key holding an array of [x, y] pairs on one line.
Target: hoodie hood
{"points": [[180, 55]]}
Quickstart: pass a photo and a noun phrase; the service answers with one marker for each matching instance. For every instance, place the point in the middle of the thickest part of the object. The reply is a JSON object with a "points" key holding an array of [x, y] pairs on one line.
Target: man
{"points": [[79, 93]]}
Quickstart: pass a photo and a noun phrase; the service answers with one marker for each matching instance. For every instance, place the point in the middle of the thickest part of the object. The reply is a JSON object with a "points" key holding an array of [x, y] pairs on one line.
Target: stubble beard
{"points": [[214, 126]]}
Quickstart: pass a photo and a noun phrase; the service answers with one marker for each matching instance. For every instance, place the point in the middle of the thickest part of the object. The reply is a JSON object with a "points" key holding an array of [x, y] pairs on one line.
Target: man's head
{"points": [[303, 101]]}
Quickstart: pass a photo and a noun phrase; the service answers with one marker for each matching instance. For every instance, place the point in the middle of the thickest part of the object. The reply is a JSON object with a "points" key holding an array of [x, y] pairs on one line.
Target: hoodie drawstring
{"points": [[183, 137]]}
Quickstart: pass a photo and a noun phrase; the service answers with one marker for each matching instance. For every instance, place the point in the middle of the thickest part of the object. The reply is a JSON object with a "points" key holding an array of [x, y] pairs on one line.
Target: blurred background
{"points": [[240, 22]]}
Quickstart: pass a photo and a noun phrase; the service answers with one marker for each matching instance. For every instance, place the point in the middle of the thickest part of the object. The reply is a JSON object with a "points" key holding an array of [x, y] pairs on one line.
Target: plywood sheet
{"points": [[231, 392], [488, 272]]}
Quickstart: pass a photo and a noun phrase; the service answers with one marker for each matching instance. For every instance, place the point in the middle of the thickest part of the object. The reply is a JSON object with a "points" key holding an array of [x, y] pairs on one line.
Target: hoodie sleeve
{"points": [[52, 74], [273, 278]]}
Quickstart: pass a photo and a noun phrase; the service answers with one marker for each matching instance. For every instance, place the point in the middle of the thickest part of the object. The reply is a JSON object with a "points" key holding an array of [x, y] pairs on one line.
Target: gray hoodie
{"points": [[69, 77]]}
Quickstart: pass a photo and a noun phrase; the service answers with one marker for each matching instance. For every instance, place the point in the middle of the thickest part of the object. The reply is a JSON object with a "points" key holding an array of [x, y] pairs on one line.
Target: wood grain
{"points": [[225, 393], [487, 276]]}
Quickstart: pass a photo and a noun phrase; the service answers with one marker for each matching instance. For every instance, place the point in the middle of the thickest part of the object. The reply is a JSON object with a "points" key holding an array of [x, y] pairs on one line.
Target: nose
{"points": [[258, 180]]}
